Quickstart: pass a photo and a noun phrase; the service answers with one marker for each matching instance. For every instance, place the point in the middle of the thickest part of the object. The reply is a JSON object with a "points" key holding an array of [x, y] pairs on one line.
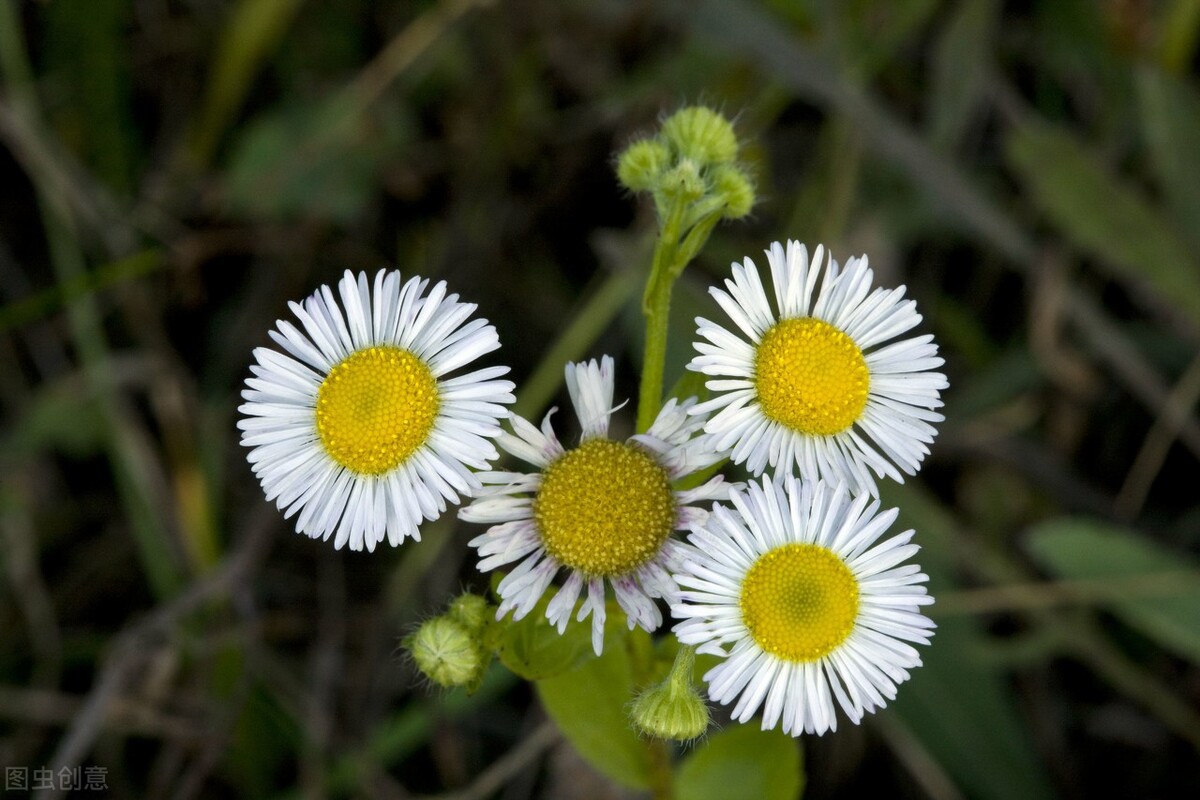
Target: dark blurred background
{"points": [[172, 172]]}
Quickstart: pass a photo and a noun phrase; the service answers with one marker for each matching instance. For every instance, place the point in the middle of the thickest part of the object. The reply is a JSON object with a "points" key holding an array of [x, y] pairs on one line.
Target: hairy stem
{"points": [[656, 306]]}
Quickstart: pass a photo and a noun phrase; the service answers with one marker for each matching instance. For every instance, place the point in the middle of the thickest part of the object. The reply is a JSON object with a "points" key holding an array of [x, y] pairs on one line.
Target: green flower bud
{"points": [[732, 185], [639, 167], [701, 133], [683, 181], [447, 653], [669, 713], [471, 611], [673, 709]]}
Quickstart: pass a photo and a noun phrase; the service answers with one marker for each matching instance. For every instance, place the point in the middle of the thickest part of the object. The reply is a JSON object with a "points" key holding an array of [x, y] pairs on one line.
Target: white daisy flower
{"points": [[814, 388], [604, 510], [813, 611], [355, 426]]}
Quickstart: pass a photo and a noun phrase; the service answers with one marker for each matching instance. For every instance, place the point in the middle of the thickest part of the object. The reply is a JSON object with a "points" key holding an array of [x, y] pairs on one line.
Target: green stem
{"points": [[684, 666], [656, 306], [661, 777], [670, 258]]}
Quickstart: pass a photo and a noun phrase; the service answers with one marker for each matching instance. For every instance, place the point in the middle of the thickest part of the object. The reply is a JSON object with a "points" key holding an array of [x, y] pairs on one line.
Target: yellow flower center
{"points": [[799, 601], [811, 377], [375, 408], [604, 508]]}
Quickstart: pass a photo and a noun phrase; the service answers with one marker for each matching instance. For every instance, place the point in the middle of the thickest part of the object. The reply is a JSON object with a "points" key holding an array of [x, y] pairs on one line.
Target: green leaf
{"points": [[534, 649], [588, 704], [63, 416], [765, 765], [1003, 379], [306, 161], [1169, 110], [959, 704], [1103, 216], [1084, 549]]}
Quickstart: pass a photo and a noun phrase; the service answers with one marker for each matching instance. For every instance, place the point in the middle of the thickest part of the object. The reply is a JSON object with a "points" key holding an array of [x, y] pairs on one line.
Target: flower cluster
{"points": [[357, 427]]}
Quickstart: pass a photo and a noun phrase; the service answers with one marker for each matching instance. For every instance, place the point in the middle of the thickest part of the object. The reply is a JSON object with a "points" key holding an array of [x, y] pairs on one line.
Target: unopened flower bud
{"points": [[641, 165], [447, 652], [471, 611], [701, 133], [684, 181], [673, 709], [733, 185]]}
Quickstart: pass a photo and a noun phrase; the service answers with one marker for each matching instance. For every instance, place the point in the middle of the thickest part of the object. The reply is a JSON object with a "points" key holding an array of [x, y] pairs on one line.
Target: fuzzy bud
{"points": [[447, 652], [684, 181], [673, 709], [701, 133], [641, 165], [733, 185], [471, 611]]}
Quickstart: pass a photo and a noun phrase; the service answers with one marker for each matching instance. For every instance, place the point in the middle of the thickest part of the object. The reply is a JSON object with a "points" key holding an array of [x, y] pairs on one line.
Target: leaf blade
{"points": [[1081, 549], [1103, 216], [761, 764], [588, 705]]}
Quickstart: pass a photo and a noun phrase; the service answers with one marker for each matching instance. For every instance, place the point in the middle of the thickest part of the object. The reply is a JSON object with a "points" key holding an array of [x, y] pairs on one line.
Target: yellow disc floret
{"points": [[375, 408], [811, 377], [799, 602], [604, 508]]}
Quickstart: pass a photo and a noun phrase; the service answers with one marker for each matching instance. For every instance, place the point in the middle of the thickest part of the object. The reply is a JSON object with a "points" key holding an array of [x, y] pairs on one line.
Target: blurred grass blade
{"points": [[254, 29], [1104, 217], [402, 733], [84, 39], [34, 307], [959, 704], [1169, 111], [873, 33], [1085, 549], [136, 474], [588, 705], [960, 67], [1180, 26], [586, 325], [743, 30], [743, 761]]}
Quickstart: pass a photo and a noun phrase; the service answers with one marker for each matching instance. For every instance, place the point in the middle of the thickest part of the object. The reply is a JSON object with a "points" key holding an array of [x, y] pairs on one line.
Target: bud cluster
{"points": [[693, 160], [451, 649]]}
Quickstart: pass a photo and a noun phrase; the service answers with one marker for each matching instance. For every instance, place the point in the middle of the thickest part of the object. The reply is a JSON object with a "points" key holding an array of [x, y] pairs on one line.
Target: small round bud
{"points": [[447, 653], [639, 167], [732, 185], [701, 133], [683, 181], [471, 611], [670, 711]]}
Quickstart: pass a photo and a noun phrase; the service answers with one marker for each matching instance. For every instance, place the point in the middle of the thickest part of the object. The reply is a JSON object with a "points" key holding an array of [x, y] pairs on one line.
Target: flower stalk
{"points": [[690, 170]]}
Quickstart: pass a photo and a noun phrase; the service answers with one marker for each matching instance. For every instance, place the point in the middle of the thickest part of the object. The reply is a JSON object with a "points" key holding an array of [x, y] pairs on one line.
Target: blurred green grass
{"points": [[173, 173]]}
